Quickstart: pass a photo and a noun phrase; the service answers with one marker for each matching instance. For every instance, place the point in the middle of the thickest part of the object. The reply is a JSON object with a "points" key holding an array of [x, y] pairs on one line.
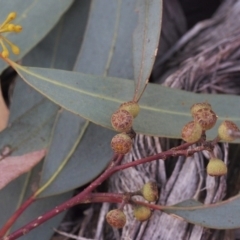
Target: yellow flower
{"points": [[6, 26]]}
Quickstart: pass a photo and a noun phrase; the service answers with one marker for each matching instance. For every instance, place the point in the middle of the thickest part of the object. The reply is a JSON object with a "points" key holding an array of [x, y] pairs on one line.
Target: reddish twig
{"points": [[86, 197], [15, 216], [163, 156], [71, 202], [114, 162]]}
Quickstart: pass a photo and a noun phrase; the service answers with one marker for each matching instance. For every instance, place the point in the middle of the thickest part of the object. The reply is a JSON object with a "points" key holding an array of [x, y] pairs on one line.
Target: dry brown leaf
{"points": [[13, 167]]}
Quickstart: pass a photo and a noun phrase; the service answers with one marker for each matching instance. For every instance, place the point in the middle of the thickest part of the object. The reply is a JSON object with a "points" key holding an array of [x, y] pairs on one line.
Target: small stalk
{"points": [[86, 195]]}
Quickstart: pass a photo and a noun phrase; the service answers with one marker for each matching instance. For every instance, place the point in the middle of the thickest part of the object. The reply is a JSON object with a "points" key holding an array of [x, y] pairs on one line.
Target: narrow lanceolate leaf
{"points": [[36, 17], [31, 131], [223, 215], [164, 111], [67, 133], [90, 158], [146, 40], [13, 167]]}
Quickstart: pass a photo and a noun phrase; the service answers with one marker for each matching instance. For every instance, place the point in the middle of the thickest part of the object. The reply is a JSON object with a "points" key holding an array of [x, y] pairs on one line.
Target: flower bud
{"points": [[132, 107], [150, 191], [191, 132], [121, 143], [142, 213], [116, 218], [197, 106], [216, 167], [206, 118], [224, 130], [122, 120]]}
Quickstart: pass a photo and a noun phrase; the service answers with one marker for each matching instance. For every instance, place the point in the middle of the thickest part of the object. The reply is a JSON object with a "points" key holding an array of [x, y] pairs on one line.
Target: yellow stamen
{"points": [[11, 27], [9, 18], [5, 28], [17, 28], [5, 52], [15, 49]]}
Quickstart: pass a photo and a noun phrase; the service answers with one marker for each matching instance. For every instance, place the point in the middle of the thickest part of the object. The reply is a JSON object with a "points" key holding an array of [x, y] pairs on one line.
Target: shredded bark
{"points": [[204, 60]]}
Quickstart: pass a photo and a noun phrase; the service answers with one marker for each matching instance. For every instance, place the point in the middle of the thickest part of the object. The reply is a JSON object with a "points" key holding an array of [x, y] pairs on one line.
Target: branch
{"points": [[87, 197], [82, 197], [163, 156]]}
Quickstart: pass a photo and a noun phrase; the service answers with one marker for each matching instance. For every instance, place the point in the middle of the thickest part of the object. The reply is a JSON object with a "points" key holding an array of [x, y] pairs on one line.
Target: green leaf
{"points": [[223, 215], [146, 41], [51, 52], [28, 132], [37, 19], [69, 125], [39, 207], [107, 45], [87, 162], [80, 164], [60, 48], [164, 111], [31, 131], [24, 99]]}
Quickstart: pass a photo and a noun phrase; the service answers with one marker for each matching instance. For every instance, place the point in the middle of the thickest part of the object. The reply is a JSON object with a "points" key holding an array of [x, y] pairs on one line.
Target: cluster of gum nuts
{"points": [[117, 218], [122, 121], [204, 118]]}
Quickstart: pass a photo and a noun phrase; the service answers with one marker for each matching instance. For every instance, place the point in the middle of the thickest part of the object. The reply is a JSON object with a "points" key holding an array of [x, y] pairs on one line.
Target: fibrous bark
{"points": [[204, 59]]}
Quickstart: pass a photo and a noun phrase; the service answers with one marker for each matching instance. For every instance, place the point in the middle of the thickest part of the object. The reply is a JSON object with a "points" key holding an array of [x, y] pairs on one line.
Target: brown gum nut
{"points": [[121, 143], [191, 132], [206, 118], [216, 167], [116, 218], [224, 128], [195, 107], [122, 120]]}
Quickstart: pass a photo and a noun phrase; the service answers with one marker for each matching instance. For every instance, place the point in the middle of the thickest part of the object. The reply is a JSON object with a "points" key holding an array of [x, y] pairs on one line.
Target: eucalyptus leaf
{"points": [[45, 231], [90, 158], [66, 132], [31, 131], [37, 18], [146, 41], [51, 52], [222, 215], [79, 165], [107, 45], [109, 48], [13, 167], [26, 133], [164, 111], [100, 37], [24, 99]]}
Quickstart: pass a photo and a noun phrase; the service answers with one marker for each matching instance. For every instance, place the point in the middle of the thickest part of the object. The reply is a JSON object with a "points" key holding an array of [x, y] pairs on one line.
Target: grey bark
{"points": [[205, 59]]}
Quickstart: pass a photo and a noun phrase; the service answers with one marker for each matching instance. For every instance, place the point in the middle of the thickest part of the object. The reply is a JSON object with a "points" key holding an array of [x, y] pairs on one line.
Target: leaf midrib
{"points": [[51, 81]]}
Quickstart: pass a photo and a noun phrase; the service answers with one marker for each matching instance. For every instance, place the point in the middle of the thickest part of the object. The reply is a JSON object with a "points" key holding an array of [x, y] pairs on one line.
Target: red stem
{"points": [[15, 216], [27, 203], [85, 195], [163, 156], [71, 202]]}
